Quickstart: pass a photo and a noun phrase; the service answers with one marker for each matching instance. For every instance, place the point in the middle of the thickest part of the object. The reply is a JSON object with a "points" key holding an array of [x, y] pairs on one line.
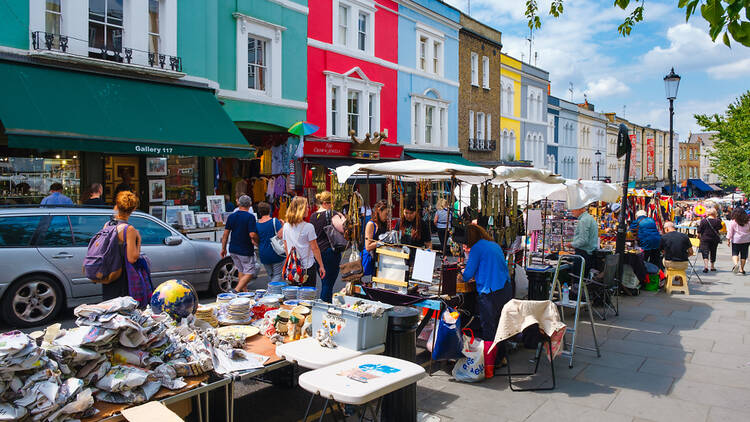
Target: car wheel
{"points": [[31, 301], [225, 277]]}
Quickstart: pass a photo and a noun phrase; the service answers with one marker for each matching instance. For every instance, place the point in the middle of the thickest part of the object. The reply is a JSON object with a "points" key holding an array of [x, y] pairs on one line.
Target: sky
{"points": [[620, 74]]}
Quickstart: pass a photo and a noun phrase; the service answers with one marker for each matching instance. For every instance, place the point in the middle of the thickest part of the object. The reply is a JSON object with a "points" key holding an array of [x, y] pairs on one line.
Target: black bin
{"points": [[539, 284], [401, 343]]}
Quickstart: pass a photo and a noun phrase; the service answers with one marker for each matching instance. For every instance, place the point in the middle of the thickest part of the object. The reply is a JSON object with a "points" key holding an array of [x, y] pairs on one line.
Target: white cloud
{"points": [[605, 87], [740, 68]]}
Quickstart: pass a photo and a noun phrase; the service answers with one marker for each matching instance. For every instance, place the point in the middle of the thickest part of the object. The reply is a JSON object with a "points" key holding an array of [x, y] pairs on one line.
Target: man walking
{"points": [[244, 235], [585, 239], [56, 196]]}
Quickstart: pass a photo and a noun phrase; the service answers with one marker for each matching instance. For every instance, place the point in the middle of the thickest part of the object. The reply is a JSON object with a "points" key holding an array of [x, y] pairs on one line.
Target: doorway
{"points": [[119, 172]]}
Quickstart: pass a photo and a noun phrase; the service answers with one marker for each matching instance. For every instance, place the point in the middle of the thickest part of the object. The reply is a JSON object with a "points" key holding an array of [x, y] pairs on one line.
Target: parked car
{"points": [[41, 263]]}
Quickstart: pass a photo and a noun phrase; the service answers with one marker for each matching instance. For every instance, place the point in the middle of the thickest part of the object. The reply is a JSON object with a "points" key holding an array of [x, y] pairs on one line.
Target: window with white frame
{"points": [[353, 24], [259, 56], [429, 118], [361, 99], [506, 95], [105, 25], [430, 49], [488, 132], [471, 124], [475, 69], [485, 72], [480, 126], [52, 16], [534, 105], [153, 26]]}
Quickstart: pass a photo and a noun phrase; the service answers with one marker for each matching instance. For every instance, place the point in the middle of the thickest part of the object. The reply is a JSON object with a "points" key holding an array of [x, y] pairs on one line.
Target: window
{"points": [[371, 115], [52, 16], [416, 120], [436, 57], [480, 126], [58, 233], [334, 109], [153, 26], [507, 96], [428, 116], [474, 69], [471, 124], [152, 233], [17, 231], [352, 107], [86, 226], [443, 131], [488, 132], [422, 53], [486, 72], [362, 32], [105, 24], [343, 24], [256, 63]]}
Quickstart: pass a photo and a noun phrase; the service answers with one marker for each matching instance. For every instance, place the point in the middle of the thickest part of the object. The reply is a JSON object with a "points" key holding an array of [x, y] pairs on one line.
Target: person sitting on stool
{"points": [[676, 247], [644, 227], [585, 240]]}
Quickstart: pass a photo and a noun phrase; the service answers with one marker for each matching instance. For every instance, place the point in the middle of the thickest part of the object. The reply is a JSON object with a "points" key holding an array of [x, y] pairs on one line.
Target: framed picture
{"points": [[157, 211], [122, 170], [157, 191], [156, 166], [215, 204], [108, 176], [171, 214], [186, 219], [204, 220]]}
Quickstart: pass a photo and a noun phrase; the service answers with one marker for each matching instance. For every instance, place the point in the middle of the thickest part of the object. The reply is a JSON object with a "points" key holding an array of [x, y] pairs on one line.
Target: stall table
{"points": [[308, 353]]}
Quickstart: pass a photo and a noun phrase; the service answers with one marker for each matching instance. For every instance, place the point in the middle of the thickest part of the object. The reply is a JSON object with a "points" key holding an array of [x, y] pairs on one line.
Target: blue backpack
{"points": [[103, 262]]}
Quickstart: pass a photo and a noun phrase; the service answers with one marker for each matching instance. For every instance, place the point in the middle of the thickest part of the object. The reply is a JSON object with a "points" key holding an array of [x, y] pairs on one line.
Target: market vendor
{"points": [[414, 231], [585, 239], [487, 266]]}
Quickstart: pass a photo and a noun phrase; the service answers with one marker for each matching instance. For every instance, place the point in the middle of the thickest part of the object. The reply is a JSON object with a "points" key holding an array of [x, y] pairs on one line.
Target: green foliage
{"points": [[730, 17], [730, 158]]}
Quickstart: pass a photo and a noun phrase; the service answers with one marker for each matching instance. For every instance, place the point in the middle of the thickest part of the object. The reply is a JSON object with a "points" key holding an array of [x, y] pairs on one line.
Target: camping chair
{"points": [[604, 290], [695, 242]]}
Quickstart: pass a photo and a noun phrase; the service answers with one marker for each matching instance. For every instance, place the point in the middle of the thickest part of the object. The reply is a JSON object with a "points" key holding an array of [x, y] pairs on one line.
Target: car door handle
{"points": [[62, 255]]}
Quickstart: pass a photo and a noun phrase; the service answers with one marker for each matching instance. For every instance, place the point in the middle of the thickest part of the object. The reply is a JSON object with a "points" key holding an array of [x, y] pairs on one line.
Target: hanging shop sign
{"points": [[650, 159], [365, 150]]}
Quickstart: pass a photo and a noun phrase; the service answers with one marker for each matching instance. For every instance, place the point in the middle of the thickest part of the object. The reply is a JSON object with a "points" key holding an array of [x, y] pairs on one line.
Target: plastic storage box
{"points": [[350, 328]]}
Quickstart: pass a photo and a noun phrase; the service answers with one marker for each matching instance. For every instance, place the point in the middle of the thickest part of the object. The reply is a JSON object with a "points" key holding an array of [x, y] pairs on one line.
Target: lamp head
{"points": [[671, 84]]}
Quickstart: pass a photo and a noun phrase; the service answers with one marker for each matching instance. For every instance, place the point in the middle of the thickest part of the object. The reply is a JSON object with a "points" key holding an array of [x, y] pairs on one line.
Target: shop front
{"points": [[78, 128]]}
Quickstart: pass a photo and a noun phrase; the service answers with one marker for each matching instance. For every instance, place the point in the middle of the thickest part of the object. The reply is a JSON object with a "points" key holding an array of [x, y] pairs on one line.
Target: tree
{"points": [[731, 153], [730, 17]]}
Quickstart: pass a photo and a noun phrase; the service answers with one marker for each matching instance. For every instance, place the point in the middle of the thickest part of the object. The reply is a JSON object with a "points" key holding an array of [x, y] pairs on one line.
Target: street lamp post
{"points": [[671, 85], [598, 161]]}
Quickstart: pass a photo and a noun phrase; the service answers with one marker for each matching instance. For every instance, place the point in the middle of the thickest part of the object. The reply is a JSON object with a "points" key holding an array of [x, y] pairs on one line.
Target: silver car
{"points": [[43, 250]]}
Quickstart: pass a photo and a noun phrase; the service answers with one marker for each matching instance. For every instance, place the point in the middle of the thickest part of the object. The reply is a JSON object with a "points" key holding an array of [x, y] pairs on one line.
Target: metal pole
{"points": [[671, 148], [621, 228]]}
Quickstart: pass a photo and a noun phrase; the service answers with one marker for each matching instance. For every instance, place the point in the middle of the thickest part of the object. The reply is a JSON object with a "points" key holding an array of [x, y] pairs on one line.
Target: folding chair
{"points": [[605, 290], [695, 242]]}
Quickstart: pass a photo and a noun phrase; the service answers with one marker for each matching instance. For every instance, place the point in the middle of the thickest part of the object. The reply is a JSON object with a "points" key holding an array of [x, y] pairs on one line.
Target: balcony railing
{"points": [[45, 41], [482, 145]]}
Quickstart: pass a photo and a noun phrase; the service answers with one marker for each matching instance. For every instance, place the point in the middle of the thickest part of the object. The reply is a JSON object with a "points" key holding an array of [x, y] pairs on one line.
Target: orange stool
{"points": [[671, 275]]}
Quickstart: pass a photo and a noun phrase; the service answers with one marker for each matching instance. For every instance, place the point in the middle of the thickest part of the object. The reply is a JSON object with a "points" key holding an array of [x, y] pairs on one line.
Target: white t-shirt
{"points": [[299, 237]]}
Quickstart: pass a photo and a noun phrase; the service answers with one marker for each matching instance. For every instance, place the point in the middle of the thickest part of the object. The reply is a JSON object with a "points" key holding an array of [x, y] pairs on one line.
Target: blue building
{"points": [[534, 83], [567, 139], [553, 139], [427, 99]]}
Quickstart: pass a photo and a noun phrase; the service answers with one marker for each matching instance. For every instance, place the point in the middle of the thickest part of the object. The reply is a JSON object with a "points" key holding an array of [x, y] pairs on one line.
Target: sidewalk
{"points": [[679, 358]]}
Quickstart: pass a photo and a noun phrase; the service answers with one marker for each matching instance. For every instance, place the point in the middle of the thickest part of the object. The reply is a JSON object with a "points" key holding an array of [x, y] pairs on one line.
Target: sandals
{"points": [[705, 270]]}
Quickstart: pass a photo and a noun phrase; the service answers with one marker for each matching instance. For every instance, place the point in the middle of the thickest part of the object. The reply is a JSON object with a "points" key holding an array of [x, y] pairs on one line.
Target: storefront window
{"points": [[25, 178], [182, 182]]}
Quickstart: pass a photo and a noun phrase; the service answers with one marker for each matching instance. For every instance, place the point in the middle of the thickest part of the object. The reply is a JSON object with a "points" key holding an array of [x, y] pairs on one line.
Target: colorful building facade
{"points": [[510, 108], [567, 130], [534, 87], [553, 136]]}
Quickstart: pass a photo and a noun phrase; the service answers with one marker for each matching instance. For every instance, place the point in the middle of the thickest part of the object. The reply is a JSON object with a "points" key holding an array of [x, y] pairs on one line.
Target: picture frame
{"points": [[171, 214], [156, 166], [157, 190], [108, 175], [204, 220], [158, 211], [186, 219], [215, 204]]}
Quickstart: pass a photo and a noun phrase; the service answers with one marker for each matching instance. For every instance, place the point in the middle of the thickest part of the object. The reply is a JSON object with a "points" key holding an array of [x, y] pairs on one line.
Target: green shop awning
{"points": [[48, 108], [442, 158]]}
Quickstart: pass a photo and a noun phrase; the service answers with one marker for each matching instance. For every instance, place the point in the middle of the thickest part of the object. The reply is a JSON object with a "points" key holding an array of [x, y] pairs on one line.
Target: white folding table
{"points": [[385, 374], [308, 353]]}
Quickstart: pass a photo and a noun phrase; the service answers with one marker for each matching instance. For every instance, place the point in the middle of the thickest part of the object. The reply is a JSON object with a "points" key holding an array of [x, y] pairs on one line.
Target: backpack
{"points": [[103, 261], [293, 272]]}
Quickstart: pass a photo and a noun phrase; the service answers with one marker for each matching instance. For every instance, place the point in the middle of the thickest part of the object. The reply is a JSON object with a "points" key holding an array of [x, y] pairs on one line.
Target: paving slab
{"points": [[712, 395], [620, 378], [564, 410], [582, 393], [720, 414], [696, 372], [648, 350], [657, 408], [722, 360]]}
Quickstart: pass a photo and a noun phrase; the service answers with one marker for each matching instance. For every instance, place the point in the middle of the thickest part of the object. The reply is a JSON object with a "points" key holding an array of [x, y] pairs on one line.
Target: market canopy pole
{"points": [[624, 147]]}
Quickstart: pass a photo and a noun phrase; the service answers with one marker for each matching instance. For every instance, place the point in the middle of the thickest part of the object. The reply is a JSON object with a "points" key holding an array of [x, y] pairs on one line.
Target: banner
{"points": [[634, 157], [650, 159]]}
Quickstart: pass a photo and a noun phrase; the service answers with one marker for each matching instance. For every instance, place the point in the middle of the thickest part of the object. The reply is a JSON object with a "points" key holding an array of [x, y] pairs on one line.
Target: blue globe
{"points": [[176, 298]]}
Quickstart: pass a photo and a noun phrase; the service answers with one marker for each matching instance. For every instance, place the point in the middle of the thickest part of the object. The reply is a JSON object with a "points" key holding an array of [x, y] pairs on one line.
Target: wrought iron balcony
{"points": [[45, 41], [482, 145]]}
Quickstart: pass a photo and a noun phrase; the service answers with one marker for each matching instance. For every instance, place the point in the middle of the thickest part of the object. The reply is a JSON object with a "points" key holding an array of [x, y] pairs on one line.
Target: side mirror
{"points": [[172, 240]]}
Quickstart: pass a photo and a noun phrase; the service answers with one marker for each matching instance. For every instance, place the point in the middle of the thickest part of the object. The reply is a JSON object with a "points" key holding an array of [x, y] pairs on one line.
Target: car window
{"points": [[86, 226], [17, 231], [152, 233], [58, 234]]}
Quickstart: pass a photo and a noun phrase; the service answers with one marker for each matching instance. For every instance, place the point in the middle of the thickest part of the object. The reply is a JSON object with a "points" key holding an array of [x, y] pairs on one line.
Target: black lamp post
{"points": [[671, 85], [598, 161]]}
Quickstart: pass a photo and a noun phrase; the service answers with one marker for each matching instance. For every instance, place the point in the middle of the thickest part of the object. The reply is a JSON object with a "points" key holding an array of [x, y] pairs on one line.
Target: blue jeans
{"points": [[331, 262], [274, 270]]}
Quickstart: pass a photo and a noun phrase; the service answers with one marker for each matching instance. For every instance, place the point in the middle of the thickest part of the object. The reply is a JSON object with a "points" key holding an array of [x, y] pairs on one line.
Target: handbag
{"points": [[352, 271], [335, 238], [293, 272], [277, 244], [448, 341], [139, 278]]}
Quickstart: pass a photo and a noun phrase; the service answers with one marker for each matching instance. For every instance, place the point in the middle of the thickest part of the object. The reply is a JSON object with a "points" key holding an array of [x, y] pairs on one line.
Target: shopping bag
{"points": [[368, 263], [448, 342], [351, 269], [470, 368]]}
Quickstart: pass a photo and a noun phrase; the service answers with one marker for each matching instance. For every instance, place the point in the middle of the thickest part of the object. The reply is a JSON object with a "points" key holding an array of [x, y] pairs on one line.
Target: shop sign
{"points": [[634, 155], [650, 159], [327, 149]]}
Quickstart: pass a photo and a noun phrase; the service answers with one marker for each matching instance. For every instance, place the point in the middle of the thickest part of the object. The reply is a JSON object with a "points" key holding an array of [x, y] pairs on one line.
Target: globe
{"points": [[176, 298]]}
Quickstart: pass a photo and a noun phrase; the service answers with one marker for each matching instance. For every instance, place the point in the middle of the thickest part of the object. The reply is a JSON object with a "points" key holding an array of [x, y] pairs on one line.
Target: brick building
{"points": [[479, 92]]}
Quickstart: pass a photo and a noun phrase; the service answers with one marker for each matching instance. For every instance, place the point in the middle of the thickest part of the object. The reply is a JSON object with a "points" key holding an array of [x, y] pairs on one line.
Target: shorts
{"points": [[244, 264], [740, 249]]}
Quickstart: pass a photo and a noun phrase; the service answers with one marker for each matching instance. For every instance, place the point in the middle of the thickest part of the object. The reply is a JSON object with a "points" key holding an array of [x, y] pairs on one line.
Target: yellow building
{"points": [[510, 108]]}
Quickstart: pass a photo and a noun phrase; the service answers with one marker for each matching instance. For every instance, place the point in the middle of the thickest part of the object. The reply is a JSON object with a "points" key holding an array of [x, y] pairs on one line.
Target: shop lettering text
{"points": [[154, 150]]}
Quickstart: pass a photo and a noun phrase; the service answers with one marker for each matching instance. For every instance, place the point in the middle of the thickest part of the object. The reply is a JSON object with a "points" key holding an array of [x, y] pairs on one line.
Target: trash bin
{"points": [[401, 343], [539, 283]]}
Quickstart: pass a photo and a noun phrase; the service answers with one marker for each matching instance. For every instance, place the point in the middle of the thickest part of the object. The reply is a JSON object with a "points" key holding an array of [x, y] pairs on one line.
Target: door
{"points": [[167, 261], [119, 169], [55, 244], [84, 228]]}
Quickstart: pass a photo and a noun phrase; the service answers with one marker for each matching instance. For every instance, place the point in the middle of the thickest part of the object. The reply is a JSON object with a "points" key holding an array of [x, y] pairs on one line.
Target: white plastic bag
{"points": [[470, 368], [522, 282]]}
